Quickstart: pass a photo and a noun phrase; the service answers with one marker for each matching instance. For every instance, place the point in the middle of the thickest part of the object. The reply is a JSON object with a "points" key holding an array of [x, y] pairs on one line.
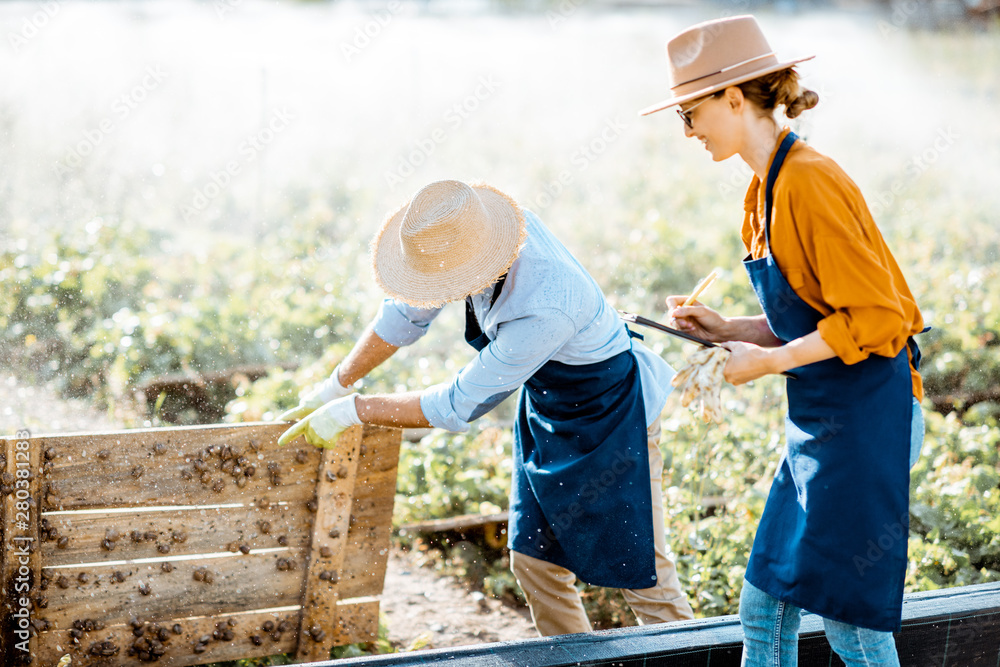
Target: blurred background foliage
{"points": [[110, 289]]}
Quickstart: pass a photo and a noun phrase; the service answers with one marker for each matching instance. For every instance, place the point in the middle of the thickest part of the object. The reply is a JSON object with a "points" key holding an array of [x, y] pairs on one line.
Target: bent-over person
{"points": [[586, 493]]}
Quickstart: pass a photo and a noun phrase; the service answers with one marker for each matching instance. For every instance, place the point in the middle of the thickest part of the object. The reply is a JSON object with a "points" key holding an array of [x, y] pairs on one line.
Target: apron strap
{"points": [[915, 354], [772, 176], [471, 323]]}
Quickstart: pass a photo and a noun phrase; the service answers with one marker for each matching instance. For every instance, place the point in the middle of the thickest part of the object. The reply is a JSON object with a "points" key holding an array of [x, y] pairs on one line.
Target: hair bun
{"points": [[779, 88], [807, 99]]}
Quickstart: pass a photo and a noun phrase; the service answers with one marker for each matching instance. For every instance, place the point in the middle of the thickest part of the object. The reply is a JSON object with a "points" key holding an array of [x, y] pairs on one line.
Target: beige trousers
{"points": [[555, 603]]}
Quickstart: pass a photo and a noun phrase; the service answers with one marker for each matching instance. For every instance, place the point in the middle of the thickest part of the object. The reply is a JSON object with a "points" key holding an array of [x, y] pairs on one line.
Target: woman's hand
{"points": [[697, 319], [704, 322], [747, 362]]}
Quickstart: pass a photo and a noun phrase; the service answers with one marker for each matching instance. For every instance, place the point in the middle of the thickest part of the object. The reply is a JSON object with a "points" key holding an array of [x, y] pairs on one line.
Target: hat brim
{"points": [[716, 87], [402, 281]]}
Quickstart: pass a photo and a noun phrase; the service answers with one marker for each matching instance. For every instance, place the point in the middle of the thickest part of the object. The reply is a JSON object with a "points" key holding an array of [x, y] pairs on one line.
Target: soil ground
{"points": [[422, 609], [426, 610]]}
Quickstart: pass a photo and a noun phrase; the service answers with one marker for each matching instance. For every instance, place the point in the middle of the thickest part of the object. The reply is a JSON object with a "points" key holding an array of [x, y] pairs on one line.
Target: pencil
{"points": [[702, 286]]}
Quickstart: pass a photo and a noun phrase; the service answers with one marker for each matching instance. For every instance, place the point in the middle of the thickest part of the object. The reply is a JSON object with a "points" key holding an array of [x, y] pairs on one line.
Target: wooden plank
{"points": [[368, 540], [176, 466], [234, 582], [367, 550], [334, 496], [456, 523], [21, 565], [249, 639], [491, 528], [177, 381], [357, 622], [465, 522], [174, 532], [379, 450], [957, 627]]}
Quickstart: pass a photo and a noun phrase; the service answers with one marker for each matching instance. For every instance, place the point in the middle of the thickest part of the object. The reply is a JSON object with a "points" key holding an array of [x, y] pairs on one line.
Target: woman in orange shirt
{"points": [[837, 310]]}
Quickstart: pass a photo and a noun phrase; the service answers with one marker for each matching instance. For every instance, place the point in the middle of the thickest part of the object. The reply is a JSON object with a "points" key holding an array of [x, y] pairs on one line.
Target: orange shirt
{"points": [[833, 256]]}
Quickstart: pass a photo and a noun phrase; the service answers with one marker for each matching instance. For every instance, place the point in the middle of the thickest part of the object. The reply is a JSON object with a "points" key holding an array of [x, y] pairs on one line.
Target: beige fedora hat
{"points": [[449, 241], [714, 55]]}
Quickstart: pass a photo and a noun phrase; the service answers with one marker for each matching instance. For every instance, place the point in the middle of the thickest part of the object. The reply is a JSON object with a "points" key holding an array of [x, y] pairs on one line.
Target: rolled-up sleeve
{"points": [[867, 320], [521, 347], [399, 324]]}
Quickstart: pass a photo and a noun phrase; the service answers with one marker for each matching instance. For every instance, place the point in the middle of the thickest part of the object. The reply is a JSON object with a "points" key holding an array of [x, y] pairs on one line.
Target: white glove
{"points": [[316, 396], [323, 427]]}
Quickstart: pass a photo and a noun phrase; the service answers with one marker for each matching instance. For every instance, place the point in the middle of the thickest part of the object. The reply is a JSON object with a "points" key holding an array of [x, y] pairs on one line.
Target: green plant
{"points": [[100, 311], [955, 506], [448, 474]]}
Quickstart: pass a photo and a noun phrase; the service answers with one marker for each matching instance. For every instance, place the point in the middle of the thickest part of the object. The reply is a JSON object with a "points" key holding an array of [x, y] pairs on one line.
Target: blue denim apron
{"points": [[832, 538], [580, 490]]}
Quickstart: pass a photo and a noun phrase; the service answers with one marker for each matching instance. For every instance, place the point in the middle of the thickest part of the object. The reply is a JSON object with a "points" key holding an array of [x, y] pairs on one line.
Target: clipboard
{"points": [[646, 322]]}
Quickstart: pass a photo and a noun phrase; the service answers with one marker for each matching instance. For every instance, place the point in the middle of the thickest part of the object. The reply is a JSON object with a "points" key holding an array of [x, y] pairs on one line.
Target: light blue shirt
{"points": [[549, 309]]}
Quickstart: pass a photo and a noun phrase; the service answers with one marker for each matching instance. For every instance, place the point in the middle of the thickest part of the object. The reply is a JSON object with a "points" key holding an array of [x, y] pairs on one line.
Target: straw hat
{"points": [[714, 55], [451, 240]]}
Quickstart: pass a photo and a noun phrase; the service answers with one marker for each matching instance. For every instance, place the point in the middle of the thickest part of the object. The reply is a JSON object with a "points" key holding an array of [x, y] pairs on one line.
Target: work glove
{"points": [[323, 427], [316, 396]]}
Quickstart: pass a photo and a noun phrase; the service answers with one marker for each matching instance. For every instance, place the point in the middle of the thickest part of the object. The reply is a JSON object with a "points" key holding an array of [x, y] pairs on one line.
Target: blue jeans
{"points": [[916, 433], [771, 635], [771, 627]]}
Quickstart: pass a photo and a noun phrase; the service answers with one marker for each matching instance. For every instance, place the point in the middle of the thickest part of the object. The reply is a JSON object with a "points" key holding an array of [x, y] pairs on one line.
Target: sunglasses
{"points": [[686, 114]]}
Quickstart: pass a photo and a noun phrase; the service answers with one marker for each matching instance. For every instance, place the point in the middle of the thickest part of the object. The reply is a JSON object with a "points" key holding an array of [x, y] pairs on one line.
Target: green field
{"points": [[188, 187]]}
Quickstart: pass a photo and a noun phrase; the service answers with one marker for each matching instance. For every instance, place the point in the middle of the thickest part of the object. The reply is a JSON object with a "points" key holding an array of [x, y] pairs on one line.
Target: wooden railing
{"points": [[954, 627]]}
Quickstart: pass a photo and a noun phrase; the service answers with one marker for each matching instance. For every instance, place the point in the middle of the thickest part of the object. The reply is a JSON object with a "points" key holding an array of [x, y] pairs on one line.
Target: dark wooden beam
{"points": [[955, 627], [961, 402]]}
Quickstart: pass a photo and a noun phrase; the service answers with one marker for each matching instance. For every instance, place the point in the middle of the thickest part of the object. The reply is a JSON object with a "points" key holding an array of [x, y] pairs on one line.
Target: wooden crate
{"points": [[200, 543]]}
